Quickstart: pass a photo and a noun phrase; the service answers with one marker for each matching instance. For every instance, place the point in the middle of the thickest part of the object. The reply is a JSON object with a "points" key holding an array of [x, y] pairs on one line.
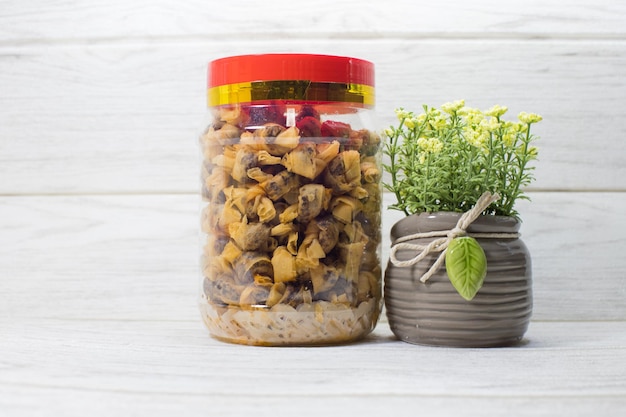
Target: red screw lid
{"points": [[281, 67]]}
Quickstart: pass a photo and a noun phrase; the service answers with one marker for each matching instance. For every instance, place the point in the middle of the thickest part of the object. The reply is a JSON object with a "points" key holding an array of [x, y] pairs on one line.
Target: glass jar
{"points": [[291, 200]]}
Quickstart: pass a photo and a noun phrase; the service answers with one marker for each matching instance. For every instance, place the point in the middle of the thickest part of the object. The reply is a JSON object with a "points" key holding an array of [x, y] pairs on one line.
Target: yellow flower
{"points": [[453, 107], [422, 143], [433, 113], [436, 145], [410, 123], [438, 123], [490, 125], [496, 111], [430, 145], [477, 139], [529, 118], [389, 132], [473, 116], [401, 114], [509, 138]]}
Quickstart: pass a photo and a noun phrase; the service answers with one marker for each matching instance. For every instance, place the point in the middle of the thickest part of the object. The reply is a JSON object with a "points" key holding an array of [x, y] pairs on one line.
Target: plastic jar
{"points": [[291, 200]]}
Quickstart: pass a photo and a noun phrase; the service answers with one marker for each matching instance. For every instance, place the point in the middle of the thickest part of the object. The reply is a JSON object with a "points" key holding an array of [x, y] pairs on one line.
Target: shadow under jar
{"points": [[433, 313], [291, 195]]}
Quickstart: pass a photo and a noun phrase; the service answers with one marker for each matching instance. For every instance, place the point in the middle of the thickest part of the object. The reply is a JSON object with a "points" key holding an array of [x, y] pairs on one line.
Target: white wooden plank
{"points": [[58, 367], [114, 257], [41, 401], [102, 119], [46, 21]]}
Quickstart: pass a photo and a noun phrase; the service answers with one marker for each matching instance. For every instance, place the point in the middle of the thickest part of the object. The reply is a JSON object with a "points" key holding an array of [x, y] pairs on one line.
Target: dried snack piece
{"points": [[283, 229], [286, 141], [312, 199], [232, 114], [254, 295], [301, 160], [292, 243], [289, 214], [344, 172], [214, 245], [236, 196], [276, 294], [267, 133], [216, 267], [251, 264], [264, 209], [310, 252], [284, 265], [371, 205], [215, 183], [254, 196], [231, 253], [280, 184], [259, 175], [326, 229], [211, 215], [356, 139], [272, 138], [370, 172], [371, 145], [265, 158], [368, 286], [249, 236], [345, 208], [224, 161], [327, 151], [248, 158], [359, 193], [353, 241], [245, 159], [354, 232], [323, 278], [222, 134], [222, 292]]}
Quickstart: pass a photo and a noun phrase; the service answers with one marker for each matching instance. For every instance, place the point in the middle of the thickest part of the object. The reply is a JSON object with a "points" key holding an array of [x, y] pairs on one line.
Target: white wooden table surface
{"points": [[101, 103]]}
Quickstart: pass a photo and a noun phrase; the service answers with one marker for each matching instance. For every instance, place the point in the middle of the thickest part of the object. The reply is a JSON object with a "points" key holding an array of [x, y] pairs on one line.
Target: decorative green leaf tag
{"points": [[466, 265]]}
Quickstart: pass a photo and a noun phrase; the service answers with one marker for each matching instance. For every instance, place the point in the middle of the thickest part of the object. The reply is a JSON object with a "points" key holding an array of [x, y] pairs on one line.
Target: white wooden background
{"points": [[101, 103]]}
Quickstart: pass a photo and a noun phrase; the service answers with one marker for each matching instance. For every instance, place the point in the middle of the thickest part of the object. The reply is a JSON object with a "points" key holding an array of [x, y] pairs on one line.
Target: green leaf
{"points": [[466, 265]]}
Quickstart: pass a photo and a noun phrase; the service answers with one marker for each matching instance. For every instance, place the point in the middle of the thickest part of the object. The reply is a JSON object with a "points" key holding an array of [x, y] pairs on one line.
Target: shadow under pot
{"points": [[433, 312]]}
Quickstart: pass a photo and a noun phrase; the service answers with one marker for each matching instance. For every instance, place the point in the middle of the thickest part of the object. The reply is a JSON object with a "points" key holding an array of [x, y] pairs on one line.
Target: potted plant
{"points": [[458, 272]]}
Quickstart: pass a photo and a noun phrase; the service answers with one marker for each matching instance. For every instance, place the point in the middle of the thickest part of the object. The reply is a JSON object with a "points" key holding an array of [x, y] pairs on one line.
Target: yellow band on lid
{"points": [[296, 90]]}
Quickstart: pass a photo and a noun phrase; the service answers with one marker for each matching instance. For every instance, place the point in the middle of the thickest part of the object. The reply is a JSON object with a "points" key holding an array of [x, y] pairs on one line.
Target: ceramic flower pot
{"points": [[433, 313]]}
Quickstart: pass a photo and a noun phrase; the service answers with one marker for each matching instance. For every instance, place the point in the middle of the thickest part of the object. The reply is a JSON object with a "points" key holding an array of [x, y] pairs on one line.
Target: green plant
{"points": [[445, 159]]}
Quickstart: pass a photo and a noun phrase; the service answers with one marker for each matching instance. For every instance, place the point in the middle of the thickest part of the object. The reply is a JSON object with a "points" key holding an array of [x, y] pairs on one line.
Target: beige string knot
{"points": [[441, 244]]}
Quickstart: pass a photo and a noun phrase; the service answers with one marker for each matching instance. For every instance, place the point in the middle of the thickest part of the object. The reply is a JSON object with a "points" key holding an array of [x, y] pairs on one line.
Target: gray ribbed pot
{"points": [[433, 313]]}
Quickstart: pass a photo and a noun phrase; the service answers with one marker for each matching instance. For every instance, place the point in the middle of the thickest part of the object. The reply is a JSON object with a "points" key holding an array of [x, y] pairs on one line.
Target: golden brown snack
{"points": [[301, 160], [344, 172]]}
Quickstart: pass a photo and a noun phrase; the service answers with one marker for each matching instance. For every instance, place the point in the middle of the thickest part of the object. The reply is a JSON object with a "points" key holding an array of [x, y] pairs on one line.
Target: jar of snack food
{"points": [[291, 200]]}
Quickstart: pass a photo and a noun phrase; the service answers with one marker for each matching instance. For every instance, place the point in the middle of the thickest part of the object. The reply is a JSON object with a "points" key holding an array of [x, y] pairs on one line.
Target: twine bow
{"points": [[441, 244]]}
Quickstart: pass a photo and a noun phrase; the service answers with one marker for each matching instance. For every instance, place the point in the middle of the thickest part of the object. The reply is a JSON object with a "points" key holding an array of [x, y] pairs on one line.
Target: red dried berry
{"points": [[307, 111], [309, 127], [334, 129], [260, 114]]}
